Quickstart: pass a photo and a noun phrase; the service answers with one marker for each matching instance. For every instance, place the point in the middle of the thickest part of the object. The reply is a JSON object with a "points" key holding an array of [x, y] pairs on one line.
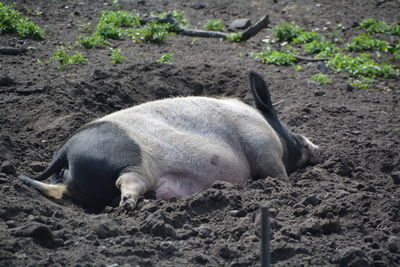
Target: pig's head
{"points": [[297, 148]]}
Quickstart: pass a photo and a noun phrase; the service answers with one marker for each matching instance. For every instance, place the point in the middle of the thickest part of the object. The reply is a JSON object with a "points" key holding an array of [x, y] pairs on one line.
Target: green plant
{"points": [[63, 58], [298, 67], [268, 55], [178, 15], [321, 78], [234, 37], [364, 83], [11, 21], [214, 25], [322, 48], [365, 42], [362, 66], [116, 56], [119, 18], [287, 31], [307, 37], [165, 58], [153, 32], [372, 26], [93, 41], [396, 50]]}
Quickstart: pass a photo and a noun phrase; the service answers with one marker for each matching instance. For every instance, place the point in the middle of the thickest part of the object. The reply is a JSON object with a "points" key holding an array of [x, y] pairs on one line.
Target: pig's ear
{"points": [[261, 95]]}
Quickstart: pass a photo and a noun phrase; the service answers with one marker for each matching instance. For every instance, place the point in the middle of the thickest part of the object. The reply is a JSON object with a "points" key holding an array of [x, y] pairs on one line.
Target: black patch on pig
{"points": [[96, 155]]}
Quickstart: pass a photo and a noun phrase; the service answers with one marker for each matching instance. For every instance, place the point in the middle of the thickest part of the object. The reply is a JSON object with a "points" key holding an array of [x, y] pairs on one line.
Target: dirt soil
{"points": [[343, 210]]}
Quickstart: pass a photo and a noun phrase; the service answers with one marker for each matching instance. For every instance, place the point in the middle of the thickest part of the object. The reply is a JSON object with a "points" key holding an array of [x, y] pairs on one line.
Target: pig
{"points": [[174, 147]]}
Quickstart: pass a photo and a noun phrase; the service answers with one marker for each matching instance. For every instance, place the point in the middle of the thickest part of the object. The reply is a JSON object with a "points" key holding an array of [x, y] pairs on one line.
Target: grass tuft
{"points": [[165, 58], [12, 21], [63, 58], [321, 78], [214, 25], [365, 42], [268, 55], [287, 31]]}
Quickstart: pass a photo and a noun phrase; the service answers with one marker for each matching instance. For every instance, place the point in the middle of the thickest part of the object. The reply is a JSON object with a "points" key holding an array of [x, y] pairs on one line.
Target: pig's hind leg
{"points": [[132, 186]]}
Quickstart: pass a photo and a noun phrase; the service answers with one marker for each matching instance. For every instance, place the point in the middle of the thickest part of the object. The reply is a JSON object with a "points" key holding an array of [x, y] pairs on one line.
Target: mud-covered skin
{"points": [[175, 147]]}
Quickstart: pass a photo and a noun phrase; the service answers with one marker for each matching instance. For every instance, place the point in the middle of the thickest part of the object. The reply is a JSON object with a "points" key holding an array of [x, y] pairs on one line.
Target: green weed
{"points": [[321, 78], [234, 37], [364, 83], [362, 66], [307, 37], [153, 32], [12, 21], [93, 41], [365, 42], [373, 26], [287, 31], [165, 58], [116, 56], [214, 25], [268, 55], [63, 58], [322, 48]]}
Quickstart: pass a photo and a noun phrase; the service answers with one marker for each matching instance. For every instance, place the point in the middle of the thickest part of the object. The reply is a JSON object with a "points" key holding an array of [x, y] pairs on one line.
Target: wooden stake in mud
{"points": [[265, 237]]}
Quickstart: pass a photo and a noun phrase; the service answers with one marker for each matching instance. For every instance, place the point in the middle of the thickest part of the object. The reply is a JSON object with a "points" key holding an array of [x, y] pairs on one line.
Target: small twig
{"points": [[265, 237], [311, 59], [12, 51], [278, 103], [247, 34]]}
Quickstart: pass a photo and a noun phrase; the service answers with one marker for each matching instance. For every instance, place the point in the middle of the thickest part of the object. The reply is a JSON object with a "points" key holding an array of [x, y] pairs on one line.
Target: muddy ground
{"points": [[343, 210]]}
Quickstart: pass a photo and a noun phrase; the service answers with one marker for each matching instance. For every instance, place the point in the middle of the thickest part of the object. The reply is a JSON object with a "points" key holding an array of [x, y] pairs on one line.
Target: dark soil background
{"points": [[343, 210]]}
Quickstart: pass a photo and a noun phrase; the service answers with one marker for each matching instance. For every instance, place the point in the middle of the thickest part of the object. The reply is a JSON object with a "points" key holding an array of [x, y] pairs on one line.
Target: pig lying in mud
{"points": [[174, 147]]}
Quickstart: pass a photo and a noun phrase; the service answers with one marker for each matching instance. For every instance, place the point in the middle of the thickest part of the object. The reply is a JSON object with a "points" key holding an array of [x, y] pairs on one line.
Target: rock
{"points": [[330, 227], [393, 244], [344, 170], [323, 67], [163, 230], [198, 6], [227, 253], [311, 226], [240, 24], [106, 229], [354, 257], [300, 212], [37, 231], [98, 75], [221, 185], [30, 90], [204, 231], [200, 259], [6, 81], [7, 168], [319, 93], [37, 166], [311, 200], [396, 177]]}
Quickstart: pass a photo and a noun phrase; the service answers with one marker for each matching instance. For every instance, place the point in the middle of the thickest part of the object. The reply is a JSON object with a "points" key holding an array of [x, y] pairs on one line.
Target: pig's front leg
{"points": [[132, 186]]}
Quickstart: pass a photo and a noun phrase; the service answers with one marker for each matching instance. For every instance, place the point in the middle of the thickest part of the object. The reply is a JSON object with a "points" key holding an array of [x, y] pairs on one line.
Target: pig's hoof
{"points": [[128, 204]]}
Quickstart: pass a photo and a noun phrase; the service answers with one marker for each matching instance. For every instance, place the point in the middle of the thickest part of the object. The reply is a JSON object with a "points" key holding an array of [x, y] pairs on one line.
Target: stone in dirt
{"points": [[240, 24], [37, 231], [354, 257], [6, 81], [106, 229], [37, 166], [98, 75], [7, 168]]}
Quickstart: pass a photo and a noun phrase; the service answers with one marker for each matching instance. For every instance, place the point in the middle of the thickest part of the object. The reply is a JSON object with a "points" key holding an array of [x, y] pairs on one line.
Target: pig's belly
{"points": [[186, 178]]}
